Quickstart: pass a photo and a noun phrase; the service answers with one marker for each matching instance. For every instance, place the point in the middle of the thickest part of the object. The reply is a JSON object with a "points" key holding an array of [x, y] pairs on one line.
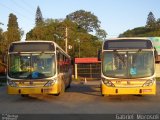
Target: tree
{"points": [[101, 34], [158, 23], [151, 21], [79, 25], [88, 21], [39, 17], [151, 29], [54, 30], [1, 37], [12, 34], [13, 31], [1, 40]]}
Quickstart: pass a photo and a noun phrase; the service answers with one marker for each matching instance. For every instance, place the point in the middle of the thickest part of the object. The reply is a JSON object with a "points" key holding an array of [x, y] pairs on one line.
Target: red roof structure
{"points": [[86, 60]]}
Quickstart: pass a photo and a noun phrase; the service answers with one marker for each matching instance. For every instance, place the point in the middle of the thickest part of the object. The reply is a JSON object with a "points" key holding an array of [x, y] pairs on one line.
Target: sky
{"points": [[116, 16]]}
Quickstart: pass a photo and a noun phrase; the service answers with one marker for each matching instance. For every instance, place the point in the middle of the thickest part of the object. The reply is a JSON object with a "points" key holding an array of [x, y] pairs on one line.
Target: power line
{"points": [[23, 8], [5, 6], [29, 5]]}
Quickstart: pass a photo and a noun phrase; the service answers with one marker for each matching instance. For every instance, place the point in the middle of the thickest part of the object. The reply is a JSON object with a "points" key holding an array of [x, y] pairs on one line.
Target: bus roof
{"points": [[38, 41], [127, 43], [33, 41], [128, 38]]}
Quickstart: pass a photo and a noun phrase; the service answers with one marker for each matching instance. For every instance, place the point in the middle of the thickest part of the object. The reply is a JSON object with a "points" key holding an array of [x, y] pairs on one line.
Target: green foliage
{"points": [[1, 31], [85, 20], [1, 40], [13, 31], [151, 21], [88, 21], [12, 34], [141, 32], [101, 34], [81, 41], [78, 25], [39, 17], [151, 29]]}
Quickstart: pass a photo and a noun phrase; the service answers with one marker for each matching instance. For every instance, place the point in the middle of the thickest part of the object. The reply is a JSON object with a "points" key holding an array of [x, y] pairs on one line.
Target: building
{"points": [[87, 68]]}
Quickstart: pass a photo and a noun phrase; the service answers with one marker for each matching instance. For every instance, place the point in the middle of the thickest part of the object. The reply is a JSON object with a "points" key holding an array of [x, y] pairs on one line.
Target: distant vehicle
{"points": [[128, 67], [38, 67]]}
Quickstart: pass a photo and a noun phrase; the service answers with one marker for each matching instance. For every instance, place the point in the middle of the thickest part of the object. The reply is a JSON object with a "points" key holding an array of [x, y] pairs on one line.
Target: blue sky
{"points": [[116, 16]]}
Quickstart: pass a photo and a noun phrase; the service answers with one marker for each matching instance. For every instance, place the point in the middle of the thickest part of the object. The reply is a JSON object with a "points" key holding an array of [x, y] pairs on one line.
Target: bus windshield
{"points": [[128, 64], [31, 66]]}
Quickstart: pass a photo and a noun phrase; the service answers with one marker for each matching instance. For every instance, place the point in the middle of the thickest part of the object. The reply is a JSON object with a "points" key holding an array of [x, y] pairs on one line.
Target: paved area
{"points": [[79, 99]]}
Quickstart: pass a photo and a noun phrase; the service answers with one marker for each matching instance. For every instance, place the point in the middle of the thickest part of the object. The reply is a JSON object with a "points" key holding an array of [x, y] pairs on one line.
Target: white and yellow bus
{"points": [[128, 67], [38, 67]]}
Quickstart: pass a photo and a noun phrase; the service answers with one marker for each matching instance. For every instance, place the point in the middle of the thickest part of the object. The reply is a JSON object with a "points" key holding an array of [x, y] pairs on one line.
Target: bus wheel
{"points": [[101, 90], [69, 85], [57, 94], [138, 95], [102, 94], [24, 95], [70, 80]]}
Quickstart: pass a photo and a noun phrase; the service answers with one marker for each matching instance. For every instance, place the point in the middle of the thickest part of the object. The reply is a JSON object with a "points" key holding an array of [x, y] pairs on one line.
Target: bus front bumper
{"points": [[149, 90], [33, 90]]}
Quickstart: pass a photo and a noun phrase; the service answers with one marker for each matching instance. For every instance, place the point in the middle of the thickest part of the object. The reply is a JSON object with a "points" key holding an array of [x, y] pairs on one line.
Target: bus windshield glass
{"points": [[31, 66], [128, 64]]}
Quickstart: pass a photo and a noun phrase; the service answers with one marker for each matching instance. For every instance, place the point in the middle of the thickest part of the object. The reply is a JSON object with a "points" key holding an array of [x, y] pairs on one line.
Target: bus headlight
{"points": [[12, 83], [149, 83], [50, 83], [108, 83]]}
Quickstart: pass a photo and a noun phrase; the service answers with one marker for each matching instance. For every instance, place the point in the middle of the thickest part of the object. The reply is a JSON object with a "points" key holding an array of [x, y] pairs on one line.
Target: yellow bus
{"points": [[38, 67], [128, 67]]}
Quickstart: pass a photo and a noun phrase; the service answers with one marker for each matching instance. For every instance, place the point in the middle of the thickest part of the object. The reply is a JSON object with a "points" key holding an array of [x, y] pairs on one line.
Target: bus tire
{"points": [[139, 95], [102, 94], [24, 95], [69, 85], [101, 90], [70, 80]]}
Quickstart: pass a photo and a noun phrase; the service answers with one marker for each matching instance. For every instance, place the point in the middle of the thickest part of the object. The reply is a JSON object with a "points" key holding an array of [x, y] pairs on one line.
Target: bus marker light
{"points": [[147, 90]]}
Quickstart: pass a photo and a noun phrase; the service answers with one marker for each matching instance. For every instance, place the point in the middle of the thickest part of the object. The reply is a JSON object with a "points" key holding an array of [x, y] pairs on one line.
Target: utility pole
{"points": [[66, 40]]}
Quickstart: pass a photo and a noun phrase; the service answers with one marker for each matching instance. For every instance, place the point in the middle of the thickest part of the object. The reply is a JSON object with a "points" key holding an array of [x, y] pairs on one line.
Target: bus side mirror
{"points": [[99, 55], [155, 54]]}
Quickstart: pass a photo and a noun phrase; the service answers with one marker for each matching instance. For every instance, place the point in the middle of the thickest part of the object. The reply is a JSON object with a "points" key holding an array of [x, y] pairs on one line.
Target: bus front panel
{"points": [[126, 87]]}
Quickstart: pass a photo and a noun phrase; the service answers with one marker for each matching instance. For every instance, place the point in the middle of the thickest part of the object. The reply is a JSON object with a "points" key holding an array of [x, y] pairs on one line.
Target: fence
{"points": [[87, 68]]}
